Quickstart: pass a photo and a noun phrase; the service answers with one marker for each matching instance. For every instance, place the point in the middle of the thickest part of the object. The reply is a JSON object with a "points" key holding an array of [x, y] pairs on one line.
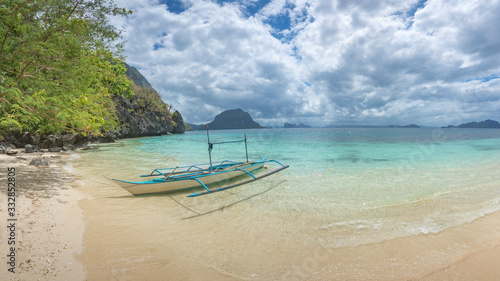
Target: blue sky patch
{"points": [[157, 46], [255, 7], [296, 53], [410, 13], [415, 8], [284, 23], [175, 6], [280, 22], [484, 79]]}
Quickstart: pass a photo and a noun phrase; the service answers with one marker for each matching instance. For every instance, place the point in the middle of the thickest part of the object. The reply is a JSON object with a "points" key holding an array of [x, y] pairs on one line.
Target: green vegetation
{"points": [[60, 64], [148, 100]]}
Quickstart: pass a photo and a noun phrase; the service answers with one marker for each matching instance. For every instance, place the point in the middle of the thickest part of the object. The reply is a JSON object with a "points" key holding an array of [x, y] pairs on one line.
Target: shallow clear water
{"points": [[381, 182], [344, 188]]}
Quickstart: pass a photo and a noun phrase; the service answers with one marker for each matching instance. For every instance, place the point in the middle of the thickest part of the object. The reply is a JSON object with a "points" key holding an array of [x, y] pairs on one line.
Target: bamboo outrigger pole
{"points": [[246, 149], [210, 146]]}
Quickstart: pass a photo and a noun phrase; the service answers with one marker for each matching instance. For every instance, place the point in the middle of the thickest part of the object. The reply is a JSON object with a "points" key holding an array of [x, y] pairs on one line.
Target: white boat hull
{"points": [[160, 185]]}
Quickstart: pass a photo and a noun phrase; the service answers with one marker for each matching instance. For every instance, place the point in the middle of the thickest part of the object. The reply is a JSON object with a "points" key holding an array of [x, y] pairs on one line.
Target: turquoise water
{"points": [[344, 187]]}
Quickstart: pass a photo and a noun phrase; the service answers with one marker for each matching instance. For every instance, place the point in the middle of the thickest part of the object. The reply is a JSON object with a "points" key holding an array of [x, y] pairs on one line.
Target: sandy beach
{"points": [[62, 233], [49, 224]]}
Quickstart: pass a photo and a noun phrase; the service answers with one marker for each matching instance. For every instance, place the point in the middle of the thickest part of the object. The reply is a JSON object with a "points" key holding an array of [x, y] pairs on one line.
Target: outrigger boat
{"points": [[202, 175]]}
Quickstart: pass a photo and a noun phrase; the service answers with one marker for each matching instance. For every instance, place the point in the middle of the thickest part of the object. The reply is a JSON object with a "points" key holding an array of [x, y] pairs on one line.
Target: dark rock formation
{"points": [[89, 147], [68, 148], [31, 148], [34, 141], [289, 125], [230, 119], [406, 126], [41, 161], [178, 121], [137, 77], [9, 151], [14, 139], [188, 127], [483, 124], [145, 114], [233, 119], [195, 127], [138, 119]]}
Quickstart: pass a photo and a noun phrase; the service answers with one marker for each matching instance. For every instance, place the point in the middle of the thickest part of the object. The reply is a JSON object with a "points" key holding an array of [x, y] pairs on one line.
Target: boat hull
{"points": [[160, 185]]}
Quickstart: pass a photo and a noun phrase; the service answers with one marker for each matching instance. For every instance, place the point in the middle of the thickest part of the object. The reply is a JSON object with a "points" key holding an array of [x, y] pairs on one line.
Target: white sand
{"points": [[50, 224]]}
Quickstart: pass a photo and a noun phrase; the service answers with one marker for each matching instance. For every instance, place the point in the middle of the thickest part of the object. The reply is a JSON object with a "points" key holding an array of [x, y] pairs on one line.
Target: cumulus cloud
{"points": [[320, 62]]}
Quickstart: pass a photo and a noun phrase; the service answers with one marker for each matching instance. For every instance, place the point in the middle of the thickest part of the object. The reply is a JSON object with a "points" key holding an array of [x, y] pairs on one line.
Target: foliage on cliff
{"points": [[59, 66], [145, 114], [147, 99]]}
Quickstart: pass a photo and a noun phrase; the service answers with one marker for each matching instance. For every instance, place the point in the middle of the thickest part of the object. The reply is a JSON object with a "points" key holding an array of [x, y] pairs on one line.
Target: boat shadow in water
{"points": [[222, 208], [192, 209]]}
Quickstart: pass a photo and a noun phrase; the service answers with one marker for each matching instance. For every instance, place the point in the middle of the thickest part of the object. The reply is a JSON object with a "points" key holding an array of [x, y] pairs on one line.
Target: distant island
{"points": [[230, 119], [239, 119], [290, 125], [371, 126], [406, 126], [483, 124]]}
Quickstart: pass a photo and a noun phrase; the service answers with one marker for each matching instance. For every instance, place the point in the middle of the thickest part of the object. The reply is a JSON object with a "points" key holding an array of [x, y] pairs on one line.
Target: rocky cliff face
{"points": [[133, 124], [134, 75], [145, 114], [139, 118]]}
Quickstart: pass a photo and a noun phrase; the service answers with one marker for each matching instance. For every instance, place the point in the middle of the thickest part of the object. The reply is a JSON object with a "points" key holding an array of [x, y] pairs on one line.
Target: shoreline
{"points": [[209, 248], [49, 222], [482, 262], [60, 236], [466, 252]]}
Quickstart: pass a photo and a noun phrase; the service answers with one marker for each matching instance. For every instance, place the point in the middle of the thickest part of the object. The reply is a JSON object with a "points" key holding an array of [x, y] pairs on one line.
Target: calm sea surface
{"points": [[345, 187]]}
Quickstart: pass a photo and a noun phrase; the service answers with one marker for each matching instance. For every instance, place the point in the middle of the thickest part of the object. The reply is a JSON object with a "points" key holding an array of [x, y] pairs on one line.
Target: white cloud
{"points": [[340, 62]]}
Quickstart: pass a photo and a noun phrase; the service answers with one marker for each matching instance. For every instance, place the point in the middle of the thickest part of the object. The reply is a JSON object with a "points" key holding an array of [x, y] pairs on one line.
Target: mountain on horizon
{"points": [[373, 126], [483, 124], [230, 119], [291, 125]]}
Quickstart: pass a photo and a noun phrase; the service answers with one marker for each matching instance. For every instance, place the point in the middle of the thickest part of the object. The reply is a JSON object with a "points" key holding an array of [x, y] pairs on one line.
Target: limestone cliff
{"points": [[145, 114]]}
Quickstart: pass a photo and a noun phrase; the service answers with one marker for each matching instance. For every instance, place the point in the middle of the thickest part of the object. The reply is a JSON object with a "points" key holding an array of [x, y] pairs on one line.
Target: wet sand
{"points": [[68, 231], [49, 226]]}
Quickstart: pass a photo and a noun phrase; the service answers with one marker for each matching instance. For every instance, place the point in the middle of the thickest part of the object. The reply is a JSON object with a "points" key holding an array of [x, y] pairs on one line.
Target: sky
{"points": [[322, 62]]}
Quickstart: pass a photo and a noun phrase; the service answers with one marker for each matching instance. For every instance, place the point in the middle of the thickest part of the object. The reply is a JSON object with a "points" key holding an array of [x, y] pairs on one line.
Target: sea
{"points": [[344, 188]]}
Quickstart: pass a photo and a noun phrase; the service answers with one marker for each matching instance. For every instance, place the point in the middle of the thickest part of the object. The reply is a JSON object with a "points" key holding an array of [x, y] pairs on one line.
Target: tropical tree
{"points": [[60, 63]]}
